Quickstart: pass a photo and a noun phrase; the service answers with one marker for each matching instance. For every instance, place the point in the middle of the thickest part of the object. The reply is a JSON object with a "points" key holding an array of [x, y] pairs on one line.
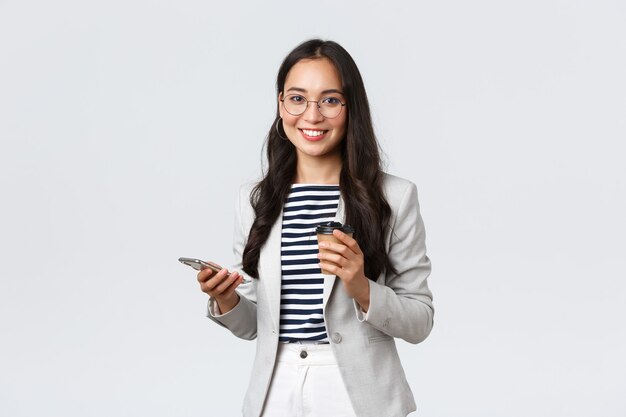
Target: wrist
{"points": [[364, 297], [225, 304]]}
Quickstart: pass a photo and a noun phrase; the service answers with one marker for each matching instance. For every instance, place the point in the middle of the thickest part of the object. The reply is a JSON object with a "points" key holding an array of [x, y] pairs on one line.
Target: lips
{"points": [[313, 134]]}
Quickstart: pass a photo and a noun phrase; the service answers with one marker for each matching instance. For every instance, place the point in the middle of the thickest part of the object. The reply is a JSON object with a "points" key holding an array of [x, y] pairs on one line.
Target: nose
{"points": [[312, 113]]}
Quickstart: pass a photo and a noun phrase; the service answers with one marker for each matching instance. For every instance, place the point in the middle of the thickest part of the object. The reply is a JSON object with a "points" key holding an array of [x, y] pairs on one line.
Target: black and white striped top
{"points": [[302, 285]]}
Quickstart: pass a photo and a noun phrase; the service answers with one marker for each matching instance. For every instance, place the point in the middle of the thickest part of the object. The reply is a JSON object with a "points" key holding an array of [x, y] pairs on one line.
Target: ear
{"points": [[280, 104]]}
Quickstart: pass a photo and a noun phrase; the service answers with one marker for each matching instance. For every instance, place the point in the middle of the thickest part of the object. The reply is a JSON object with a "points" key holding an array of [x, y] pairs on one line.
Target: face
{"points": [[311, 133]]}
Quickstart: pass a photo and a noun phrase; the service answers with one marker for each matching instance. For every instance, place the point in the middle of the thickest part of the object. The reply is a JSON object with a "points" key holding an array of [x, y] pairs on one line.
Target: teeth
{"points": [[313, 132]]}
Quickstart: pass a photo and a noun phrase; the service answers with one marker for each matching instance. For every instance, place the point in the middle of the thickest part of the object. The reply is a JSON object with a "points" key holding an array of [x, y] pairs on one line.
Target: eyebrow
{"points": [[331, 90]]}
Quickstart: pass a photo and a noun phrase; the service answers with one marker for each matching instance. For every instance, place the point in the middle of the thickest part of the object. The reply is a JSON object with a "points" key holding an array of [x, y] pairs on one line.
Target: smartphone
{"points": [[199, 265]]}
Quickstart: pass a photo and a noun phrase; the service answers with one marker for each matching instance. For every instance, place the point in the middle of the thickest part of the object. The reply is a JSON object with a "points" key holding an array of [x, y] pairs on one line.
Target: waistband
{"points": [[314, 354]]}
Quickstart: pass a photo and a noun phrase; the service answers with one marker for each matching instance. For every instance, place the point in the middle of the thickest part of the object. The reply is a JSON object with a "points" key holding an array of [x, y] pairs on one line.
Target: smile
{"points": [[313, 134]]}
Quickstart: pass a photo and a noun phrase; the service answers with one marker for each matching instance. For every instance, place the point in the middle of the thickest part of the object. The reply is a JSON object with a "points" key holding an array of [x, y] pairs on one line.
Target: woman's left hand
{"points": [[345, 260]]}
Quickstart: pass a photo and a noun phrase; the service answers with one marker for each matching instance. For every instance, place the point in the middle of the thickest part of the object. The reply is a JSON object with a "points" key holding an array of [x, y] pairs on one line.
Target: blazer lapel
{"points": [[269, 260], [329, 280]]}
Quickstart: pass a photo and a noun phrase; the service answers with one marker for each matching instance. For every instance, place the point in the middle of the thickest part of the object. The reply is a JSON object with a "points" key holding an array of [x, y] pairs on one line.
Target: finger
{"points": [[204, 275], [234, 278], [231, 289], [214, 281], [334, 258], [332, 268], [350, 242], [336, 247]]}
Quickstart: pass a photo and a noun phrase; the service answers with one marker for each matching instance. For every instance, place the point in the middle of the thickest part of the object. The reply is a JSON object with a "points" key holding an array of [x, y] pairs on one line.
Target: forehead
{"points": [[313, 75]]}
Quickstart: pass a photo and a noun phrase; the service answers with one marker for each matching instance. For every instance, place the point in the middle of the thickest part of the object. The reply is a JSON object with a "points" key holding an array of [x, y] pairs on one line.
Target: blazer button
{"points": [[335, 338], [303, 354]]}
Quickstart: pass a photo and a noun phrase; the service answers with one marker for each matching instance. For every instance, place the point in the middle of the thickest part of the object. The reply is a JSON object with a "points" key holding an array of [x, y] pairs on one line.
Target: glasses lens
{"points": [[295, 104], [330, 107]]}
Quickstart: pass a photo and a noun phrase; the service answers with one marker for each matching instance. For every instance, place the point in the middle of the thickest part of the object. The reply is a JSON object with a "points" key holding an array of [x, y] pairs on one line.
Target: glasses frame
{"points": [[319, 109]]}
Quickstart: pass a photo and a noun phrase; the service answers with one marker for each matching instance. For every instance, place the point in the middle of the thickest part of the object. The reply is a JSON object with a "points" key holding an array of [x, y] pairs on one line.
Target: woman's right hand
{"points": [[221, 287]]}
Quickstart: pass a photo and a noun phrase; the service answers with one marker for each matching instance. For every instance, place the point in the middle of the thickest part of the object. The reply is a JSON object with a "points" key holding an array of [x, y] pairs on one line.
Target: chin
{"points": [[316, 151]]}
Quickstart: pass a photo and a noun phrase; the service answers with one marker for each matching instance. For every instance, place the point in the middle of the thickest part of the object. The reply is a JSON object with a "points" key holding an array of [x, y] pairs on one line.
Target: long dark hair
{"points": [[360, 180]]}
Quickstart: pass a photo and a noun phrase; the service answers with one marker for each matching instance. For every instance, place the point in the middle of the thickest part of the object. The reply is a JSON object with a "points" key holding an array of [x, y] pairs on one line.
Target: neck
{"points": [[316, 170]]}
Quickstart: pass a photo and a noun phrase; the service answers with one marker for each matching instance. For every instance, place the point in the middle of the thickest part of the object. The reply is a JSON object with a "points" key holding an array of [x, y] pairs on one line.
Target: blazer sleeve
{"points": [[242, 319], [401, 304]]}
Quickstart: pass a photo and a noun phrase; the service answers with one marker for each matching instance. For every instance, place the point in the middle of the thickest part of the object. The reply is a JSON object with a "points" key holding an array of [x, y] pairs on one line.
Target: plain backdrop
{"points": [[126, 128]]}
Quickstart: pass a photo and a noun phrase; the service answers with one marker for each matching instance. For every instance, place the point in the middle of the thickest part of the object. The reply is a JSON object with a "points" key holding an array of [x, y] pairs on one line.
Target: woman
{"points": [[325, 343]]}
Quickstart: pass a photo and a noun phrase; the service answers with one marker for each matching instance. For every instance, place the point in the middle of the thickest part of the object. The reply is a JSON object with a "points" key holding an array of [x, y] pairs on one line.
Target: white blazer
{"points": [[364, 344]]}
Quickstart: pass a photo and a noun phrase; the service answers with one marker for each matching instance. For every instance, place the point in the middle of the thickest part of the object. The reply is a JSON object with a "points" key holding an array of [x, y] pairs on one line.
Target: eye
{"points": [[331, 101], [296, 99]]}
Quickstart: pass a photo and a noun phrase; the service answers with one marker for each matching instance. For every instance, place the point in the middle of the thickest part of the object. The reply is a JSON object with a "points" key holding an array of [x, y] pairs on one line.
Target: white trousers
{"points": [[307, 384]]}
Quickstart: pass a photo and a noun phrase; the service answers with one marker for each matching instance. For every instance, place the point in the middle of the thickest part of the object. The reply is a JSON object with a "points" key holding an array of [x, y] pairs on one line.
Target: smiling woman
{"points": [[325, 340]]}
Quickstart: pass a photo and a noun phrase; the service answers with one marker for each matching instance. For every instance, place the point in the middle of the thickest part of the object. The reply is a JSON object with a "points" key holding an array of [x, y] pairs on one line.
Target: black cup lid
{"points": [[328, 227]]}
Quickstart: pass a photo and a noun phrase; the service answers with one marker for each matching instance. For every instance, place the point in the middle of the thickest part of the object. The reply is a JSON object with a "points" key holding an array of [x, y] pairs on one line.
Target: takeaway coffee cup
{"points": [[325, 233]]}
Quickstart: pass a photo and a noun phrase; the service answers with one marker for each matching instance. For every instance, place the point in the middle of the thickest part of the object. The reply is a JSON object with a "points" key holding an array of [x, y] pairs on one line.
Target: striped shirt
{"points": [[302, 287]]}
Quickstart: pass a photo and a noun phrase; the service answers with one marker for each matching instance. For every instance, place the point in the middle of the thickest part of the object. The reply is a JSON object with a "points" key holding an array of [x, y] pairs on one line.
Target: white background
{"points": [[127, 126]]}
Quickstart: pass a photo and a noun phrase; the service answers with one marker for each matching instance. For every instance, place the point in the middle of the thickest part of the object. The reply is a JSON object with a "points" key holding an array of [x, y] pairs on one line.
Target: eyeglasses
{"points": [[296, 104]]}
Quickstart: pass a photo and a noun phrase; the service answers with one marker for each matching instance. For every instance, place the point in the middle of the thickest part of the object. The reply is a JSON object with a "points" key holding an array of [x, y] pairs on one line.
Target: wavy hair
{"points": [[361, 176]]}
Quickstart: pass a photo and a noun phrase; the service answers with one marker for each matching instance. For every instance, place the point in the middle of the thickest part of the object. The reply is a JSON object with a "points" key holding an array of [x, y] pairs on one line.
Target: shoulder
{"points": [[397, 189], [243, 202]]}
